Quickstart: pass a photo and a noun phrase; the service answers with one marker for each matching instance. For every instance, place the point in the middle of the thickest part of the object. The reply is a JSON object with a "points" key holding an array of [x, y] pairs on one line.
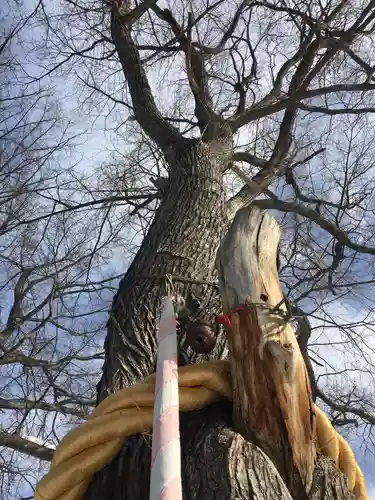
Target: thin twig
{"points": [[178, 278]]}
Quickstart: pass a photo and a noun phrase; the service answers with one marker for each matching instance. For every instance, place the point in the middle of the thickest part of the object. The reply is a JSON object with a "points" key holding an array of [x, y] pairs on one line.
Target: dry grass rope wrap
{"points": [[88, 448]]}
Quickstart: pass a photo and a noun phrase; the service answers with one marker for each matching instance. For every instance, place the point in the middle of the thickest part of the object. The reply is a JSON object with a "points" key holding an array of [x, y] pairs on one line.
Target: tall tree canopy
{"points": [[203, 108]]}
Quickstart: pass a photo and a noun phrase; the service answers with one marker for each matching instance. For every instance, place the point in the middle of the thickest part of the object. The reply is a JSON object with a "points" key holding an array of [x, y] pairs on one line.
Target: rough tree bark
{"points": [[217, 463], [182, 241]]}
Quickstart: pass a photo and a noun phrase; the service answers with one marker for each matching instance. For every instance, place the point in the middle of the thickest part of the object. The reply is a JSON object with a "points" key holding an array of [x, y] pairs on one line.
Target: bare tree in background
{"points": [[59, 231], [54, 249], [212, 93], [35, 264]]}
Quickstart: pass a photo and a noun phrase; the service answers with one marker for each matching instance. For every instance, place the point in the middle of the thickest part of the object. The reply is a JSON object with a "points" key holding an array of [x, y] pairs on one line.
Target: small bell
{"points": [[200, 336]]}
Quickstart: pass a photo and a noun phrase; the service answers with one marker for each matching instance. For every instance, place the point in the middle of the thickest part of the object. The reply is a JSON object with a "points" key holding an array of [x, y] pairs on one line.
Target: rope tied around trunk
{"points": [[88, 448], [156, 403]]}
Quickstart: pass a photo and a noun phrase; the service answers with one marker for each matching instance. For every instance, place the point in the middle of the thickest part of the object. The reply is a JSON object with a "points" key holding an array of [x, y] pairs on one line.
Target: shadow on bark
{"points": [[217, 463]]}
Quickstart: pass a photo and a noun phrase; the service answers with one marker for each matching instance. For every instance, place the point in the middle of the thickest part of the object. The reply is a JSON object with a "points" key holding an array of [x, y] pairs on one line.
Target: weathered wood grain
{"points": [[272, 397]]}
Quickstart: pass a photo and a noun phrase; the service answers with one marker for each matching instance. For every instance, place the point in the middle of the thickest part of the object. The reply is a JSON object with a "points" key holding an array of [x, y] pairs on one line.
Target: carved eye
{"points": [[263, 297]]}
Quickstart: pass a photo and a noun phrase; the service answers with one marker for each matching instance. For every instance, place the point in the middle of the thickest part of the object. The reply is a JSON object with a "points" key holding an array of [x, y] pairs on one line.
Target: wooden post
{"points": [[271, 392], [166, 453]]}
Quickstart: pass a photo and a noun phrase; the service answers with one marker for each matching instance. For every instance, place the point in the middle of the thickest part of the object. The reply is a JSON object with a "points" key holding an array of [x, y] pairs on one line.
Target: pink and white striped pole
{"points": [[166, 453]]}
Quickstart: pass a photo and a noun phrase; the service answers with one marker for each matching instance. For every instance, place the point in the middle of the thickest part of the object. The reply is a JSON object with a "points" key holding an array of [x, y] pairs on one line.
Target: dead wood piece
{"points": [[271, 391]]}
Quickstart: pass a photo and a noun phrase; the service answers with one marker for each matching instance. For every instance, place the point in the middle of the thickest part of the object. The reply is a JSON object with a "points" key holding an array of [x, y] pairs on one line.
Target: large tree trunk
{"points": [[181, 241], [217, 463]]}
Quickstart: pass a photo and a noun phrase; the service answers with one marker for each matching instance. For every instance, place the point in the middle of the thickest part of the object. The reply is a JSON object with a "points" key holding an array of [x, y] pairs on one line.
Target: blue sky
{"points": [[94, 148]]}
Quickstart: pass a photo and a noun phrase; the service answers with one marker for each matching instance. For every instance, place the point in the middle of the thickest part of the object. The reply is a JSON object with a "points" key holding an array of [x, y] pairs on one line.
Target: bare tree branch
{"points": [[26, 404], [330, 227], [335, 111], [353, 409], [25, 446], [195, 69], [249, 158], [145, 109]]}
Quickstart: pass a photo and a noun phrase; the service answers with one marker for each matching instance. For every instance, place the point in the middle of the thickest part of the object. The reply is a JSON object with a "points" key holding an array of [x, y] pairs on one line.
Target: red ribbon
{"points": [[224, 319]]}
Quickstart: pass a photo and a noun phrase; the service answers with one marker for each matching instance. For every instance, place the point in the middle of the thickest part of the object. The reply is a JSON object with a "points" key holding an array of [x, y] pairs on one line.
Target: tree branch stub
{"points": [[272, 402]]}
